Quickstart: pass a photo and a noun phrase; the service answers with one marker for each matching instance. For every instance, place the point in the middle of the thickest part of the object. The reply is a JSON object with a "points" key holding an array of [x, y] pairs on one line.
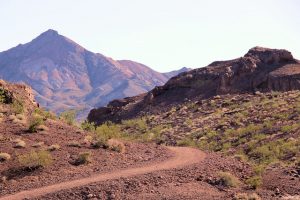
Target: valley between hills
{"points": [[230, 130]]}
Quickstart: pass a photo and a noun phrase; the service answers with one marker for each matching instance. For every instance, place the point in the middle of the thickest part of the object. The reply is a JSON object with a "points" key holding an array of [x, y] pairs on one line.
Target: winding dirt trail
{"points": [[183, 156]]}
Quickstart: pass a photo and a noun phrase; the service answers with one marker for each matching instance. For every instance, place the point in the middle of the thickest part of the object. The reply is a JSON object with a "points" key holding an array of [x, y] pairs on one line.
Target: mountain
{"points": [[176, 72], [65, 75], [260, 70]]}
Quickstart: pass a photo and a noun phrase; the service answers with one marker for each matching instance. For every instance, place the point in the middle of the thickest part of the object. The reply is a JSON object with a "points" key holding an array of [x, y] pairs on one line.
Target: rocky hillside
{"points": [[37, 148], [64, 75], [261, 69]]}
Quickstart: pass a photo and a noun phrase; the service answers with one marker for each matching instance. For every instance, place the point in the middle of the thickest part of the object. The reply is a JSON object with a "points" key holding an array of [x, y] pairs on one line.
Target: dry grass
{"points": [[35, 159], [83, 158], [4, 157], [19, 143], [228, 180], [116, 145]]}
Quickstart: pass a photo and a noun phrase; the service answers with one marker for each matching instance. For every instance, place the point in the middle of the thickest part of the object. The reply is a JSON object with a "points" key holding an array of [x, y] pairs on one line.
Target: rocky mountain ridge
{"points": [[259, 70]]}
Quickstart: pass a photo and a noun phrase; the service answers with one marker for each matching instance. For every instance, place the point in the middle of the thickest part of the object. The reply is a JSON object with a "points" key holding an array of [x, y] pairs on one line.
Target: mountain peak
{"points": [[268, 55], [49, 33]]}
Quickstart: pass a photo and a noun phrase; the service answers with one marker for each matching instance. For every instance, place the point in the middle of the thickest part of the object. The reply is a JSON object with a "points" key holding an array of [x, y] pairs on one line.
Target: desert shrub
{"points": [[44, 113], [68, 116], [4, 96], [35, 159], [4, 157], [286, 128], [83, 158], [35, 122], [186, 142], [254, 181], [228, 180], [53, 147], [263, 154], [17, 107], [74, 144], [116, 145], [105, 132], [108, 130], [139, 124], [87, 126]]}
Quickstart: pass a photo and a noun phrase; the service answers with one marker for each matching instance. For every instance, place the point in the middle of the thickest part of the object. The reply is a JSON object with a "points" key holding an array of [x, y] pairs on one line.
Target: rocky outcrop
{"points": [[19, 92], [260, 69]]}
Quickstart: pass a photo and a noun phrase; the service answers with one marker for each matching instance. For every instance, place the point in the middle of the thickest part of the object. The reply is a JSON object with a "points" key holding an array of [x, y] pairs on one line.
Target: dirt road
{"points": [[183, 156]]}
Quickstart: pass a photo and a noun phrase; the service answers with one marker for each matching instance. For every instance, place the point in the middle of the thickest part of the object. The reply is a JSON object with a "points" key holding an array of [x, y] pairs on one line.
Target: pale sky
{"points": [[163, 34]]}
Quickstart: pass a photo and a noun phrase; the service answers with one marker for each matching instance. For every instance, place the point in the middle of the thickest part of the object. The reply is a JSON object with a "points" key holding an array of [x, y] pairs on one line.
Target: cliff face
{"points": [[261, 69]]}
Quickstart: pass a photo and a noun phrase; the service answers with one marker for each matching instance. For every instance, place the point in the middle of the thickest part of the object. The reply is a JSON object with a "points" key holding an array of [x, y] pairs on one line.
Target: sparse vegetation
{"points": [[40, 112], [254, 181], [68, 116], [83, 158], [228, 180], [87, 126], [17, 107], [104, 133], [35, 159], [4, 97], [34, 124], [116, 145]]}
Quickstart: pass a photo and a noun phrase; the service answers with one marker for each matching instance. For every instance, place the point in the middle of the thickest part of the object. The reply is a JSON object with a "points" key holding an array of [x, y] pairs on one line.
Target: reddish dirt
{"points": [[183, 156], [191, 182], [103, 160]]}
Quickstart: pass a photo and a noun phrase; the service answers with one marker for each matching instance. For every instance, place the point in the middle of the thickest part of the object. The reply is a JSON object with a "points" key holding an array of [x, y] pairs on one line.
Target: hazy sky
{"points": [[163, 34]]}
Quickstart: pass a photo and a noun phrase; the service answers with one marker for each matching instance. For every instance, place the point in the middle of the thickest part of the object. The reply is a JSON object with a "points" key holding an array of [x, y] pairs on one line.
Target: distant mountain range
{"points": [[65, 75]]}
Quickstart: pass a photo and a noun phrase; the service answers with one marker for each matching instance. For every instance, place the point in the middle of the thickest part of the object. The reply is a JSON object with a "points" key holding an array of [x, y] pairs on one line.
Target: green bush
{"points": [[17, 107], [108, 130], [254, 182], [3, 95], [45, 114], [68, 116], [35, 159], [34, 124], [139, 124], [87, 126]]}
